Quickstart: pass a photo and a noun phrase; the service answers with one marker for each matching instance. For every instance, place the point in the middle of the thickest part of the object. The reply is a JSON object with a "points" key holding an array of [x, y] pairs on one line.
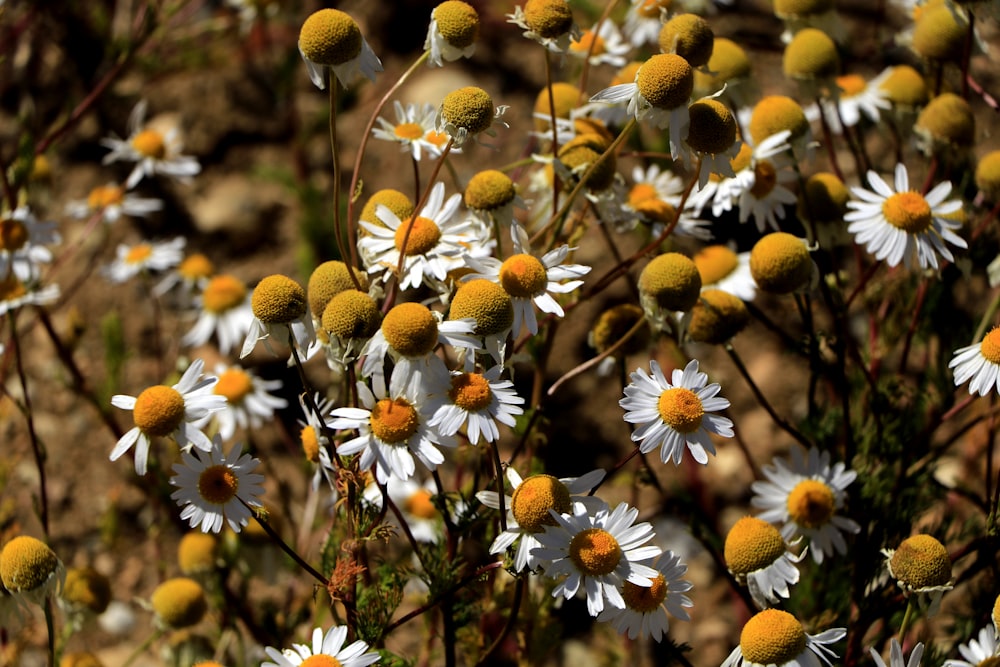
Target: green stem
{"points": [[907, 618]]}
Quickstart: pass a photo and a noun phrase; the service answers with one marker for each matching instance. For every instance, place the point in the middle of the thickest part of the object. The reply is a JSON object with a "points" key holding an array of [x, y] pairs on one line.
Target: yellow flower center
{"points": [[672, 279], [419, 504], [990, 347], [523, 276], [533, 499], [409, 131], [439, 139], [11, 288], [158, 410], [824, 197], [150, 143], [138, 254], [26, 563], [689, 36], [717, 317], [223, 293], [905, 86], [457, 22], [988, 174], [774, 114], [680, 409], [627, 74], [424, 235], [714, 263], [352, 314], [393, 421], [742, 159], [728, 62], [587, 39], [320, 660], [765, 177], [921, 562], [908, 211], [489, 190], [652, 9], [548, 18], [948, 118], [811, 503], [394, 200], [471, 392], [614, 323], [196, 266], [811, 55], [595, 552], [197, 552], [13, 234], [713, 127], [666, 81], [780, 263], [235, 384], [411, 329], [939, 33], [87, 588], [752, 545], [327, 281], [179, 602], [310, 443], [487, 303], [656, 210], [469, 107], [801, 8], [641, 192], [330, 37], [772, 637], [645, 599], [851, 84], [278, 299], [105, 195], [218, 484]]}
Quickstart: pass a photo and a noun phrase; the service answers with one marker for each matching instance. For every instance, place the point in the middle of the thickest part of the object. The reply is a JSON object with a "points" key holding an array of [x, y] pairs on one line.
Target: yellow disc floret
{"points": [[990, 347], [223, 293], [420, 504], [717, 317], [13, 234], [772, 637], [940, 34], [310, 443], [905, 87], [327, 281], [714, 263], [595, 552], [278, 299], [26, 564], [785, 9], [394, 420], [948, 120], [458, 23], [811, 504], [908, 211], [150, 144], [533, 499], [470, 108], [352, 315], [811, 55], [394, 200], [548, 18], [179, 602], [105, 195], [666, 81], [87, 588], [823, 198], [471, 392], [196, 267], [197, 552], [680, 409], [921, 562], [158, 410], [330, 37], [523, 276], [487, 303], [580, 153], [235, 384], [138, 254], [780, 263], [713, 127], [689, 36], [645, 599], [751, 545], [988, 175], [417, 236], [489, 190], [672, 281], [614, 323], [218, 484], [729, 63], [774, 114], [411, 329], [565, 97]]}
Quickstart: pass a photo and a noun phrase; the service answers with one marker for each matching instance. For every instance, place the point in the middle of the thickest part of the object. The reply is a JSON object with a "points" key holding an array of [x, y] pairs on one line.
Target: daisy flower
{"points": [[248, 400], [478, 401], [980, 362], [467, 112], [414, 130], [213, 487], [644, 20], [711, 138], [759, 558], [329, 646], [859, 97], [316, 445], [192, 274], [805, 496], [528, 280], [528, 509], [597, 554], [674, 414], [111, 202], [896, 224], [976, 653], [452, 32], [724, 269], [392, 429], [153, 151], [654, 198], [330, 38], [761, 189], [434, 240], [605, 48], [31, 572], [22, 243], [15, 294], [415, 503], [775, 638], [161, 411], [130, 261], [225, 312], [921, 565], [647, 610], [548, 22], [281, 312]]}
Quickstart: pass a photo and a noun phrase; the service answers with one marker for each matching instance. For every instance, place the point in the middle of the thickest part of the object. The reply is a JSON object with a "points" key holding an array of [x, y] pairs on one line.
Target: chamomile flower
{"points": [[528, 280], [178, 603], [528, 509], [653, 199], [415, 503], [860, 97], [724, 269], [280, 311], [712, 138], [214, 487], [162, 411], [478, 401], [330, 38], [452, 32], [328, 648], [648, 610], [759, 558], [804, 495], [131, 260], [775, 638], [896, 224], [548, 22], [22, 243], [249, 401], [16, 294], [414, 124], [192, 274], [981, 363], [605, 48], [467, 112], [154, 151], [315, 444], [644, 20], [896, 656], [225, 312], [111, 202], [30, 570], [597, 554], [491, 196], [921, 565], [491, 308], [392, 429], [981, 652], [677, 413], [762, 185], [431, 241]]}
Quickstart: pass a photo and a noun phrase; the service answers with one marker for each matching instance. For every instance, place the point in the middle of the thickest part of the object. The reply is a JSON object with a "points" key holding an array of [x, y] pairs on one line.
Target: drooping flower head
{"points": [[330, 38], [30, 569], [775, 638], [452, 32], [759, 558], [648, 609], [280, 311], [179, 603], [921, 565], [468, 112]]}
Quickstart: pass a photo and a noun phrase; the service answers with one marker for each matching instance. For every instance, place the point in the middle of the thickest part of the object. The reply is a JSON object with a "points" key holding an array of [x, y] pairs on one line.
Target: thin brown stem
{"points": [[36, 446]]}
